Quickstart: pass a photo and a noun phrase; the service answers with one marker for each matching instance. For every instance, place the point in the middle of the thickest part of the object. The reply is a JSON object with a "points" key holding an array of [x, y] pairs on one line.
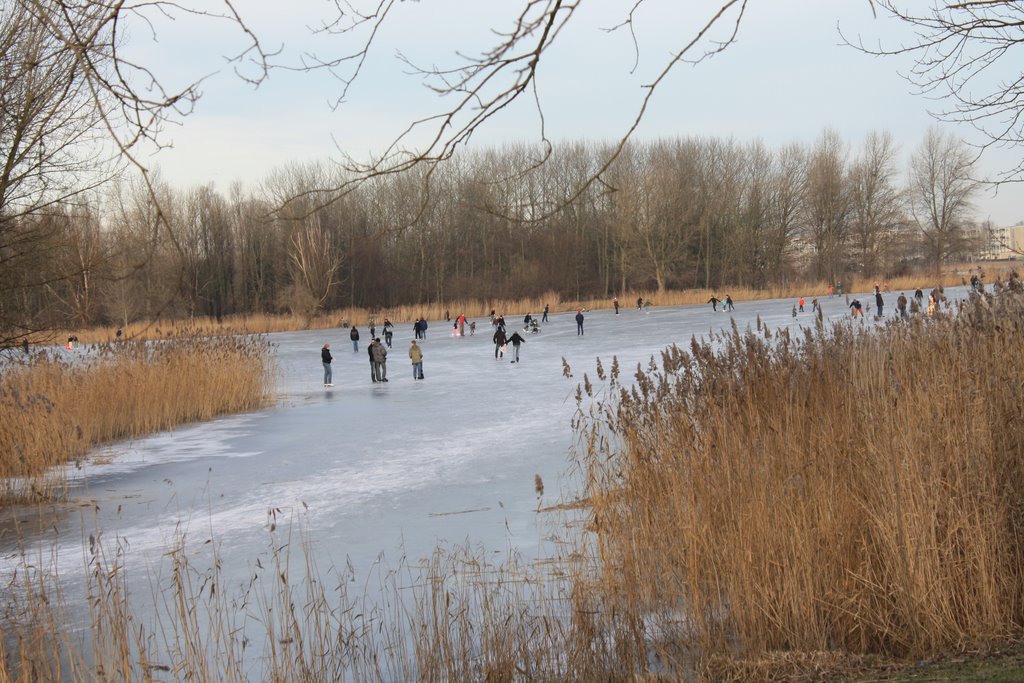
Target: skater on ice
{"points": [[416, 356], [325, 356], [515, 340]]}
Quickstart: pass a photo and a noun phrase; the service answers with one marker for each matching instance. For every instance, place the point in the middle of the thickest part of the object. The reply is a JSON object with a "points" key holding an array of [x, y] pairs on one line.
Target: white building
{"points": [[1005, 243]]}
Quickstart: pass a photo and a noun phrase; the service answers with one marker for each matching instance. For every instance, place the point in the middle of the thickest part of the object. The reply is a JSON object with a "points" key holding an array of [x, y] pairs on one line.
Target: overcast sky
{"points": [[786, 79]]}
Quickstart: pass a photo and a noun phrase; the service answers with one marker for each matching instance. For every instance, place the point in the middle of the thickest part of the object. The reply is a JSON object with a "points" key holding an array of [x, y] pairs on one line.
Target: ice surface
{"points": [[375, 468]]}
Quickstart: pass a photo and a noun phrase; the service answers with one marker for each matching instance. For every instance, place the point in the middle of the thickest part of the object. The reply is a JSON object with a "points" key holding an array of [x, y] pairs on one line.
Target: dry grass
{"points": [[845, 491], [54, 410]]}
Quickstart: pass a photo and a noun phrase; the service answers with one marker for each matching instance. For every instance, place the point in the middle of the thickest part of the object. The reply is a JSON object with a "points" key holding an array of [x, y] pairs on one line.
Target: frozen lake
{"points": [[372, 469]]}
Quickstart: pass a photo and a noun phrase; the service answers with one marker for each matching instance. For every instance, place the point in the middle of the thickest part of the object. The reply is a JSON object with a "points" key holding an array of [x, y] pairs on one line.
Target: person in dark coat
{"points": [[579, 322], [714, 303], [373, 366], [499, 341], [325, 356], [380, 359], [901, 305], [515, 340], [354, 336], [878, 302]]}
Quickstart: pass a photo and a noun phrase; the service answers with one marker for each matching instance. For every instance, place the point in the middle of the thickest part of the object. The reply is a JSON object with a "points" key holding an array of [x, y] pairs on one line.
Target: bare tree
{"points": [[876, 203], [786, 202], [652, 212], [314, 263], [74, 108], [480, 86], [941, 190], [45, 122], [81, 260], [828, 205]]}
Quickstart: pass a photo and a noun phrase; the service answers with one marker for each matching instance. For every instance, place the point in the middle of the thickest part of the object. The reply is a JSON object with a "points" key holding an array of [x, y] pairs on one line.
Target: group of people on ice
{"points": [[905, 306], [727, 304], [377, 351]]}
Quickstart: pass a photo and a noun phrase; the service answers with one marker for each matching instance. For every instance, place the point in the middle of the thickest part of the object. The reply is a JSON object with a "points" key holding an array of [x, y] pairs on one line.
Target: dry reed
{"points": [[53, 410], [841, 490]]}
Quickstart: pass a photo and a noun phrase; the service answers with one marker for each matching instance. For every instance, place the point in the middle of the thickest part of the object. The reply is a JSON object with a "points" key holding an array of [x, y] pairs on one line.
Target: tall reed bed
{"points": [[841, 490], [763, 506], [53, 409]]}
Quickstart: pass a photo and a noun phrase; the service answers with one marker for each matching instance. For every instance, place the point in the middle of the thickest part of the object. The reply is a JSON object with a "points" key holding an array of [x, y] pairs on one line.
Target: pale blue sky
{"points": [[787, 78]]}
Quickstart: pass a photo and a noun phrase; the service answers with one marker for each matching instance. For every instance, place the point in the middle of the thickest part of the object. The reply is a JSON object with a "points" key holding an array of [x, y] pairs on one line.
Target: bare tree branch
{"points": [[486, 84], [966, 55]]}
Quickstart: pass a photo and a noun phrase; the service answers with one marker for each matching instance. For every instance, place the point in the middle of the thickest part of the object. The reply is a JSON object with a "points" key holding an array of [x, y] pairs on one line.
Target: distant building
{"points": [[1005, 243]]}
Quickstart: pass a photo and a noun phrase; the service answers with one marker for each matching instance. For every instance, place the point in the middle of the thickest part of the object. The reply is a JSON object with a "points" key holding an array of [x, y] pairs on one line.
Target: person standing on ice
{"points": [[389, 331], [878, 302], [416, 356], [579, 322], [373, 365], [500, 340], [728, 303], [714, 303], [615, 302], [901, 305], [325, 356], [380, 360], [544, 318], [353, 334], [515, 340]]}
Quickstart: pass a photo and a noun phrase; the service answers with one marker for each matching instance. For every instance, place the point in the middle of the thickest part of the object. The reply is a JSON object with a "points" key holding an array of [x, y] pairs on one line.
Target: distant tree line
{"points": [[679, 213], [80, 244]]}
